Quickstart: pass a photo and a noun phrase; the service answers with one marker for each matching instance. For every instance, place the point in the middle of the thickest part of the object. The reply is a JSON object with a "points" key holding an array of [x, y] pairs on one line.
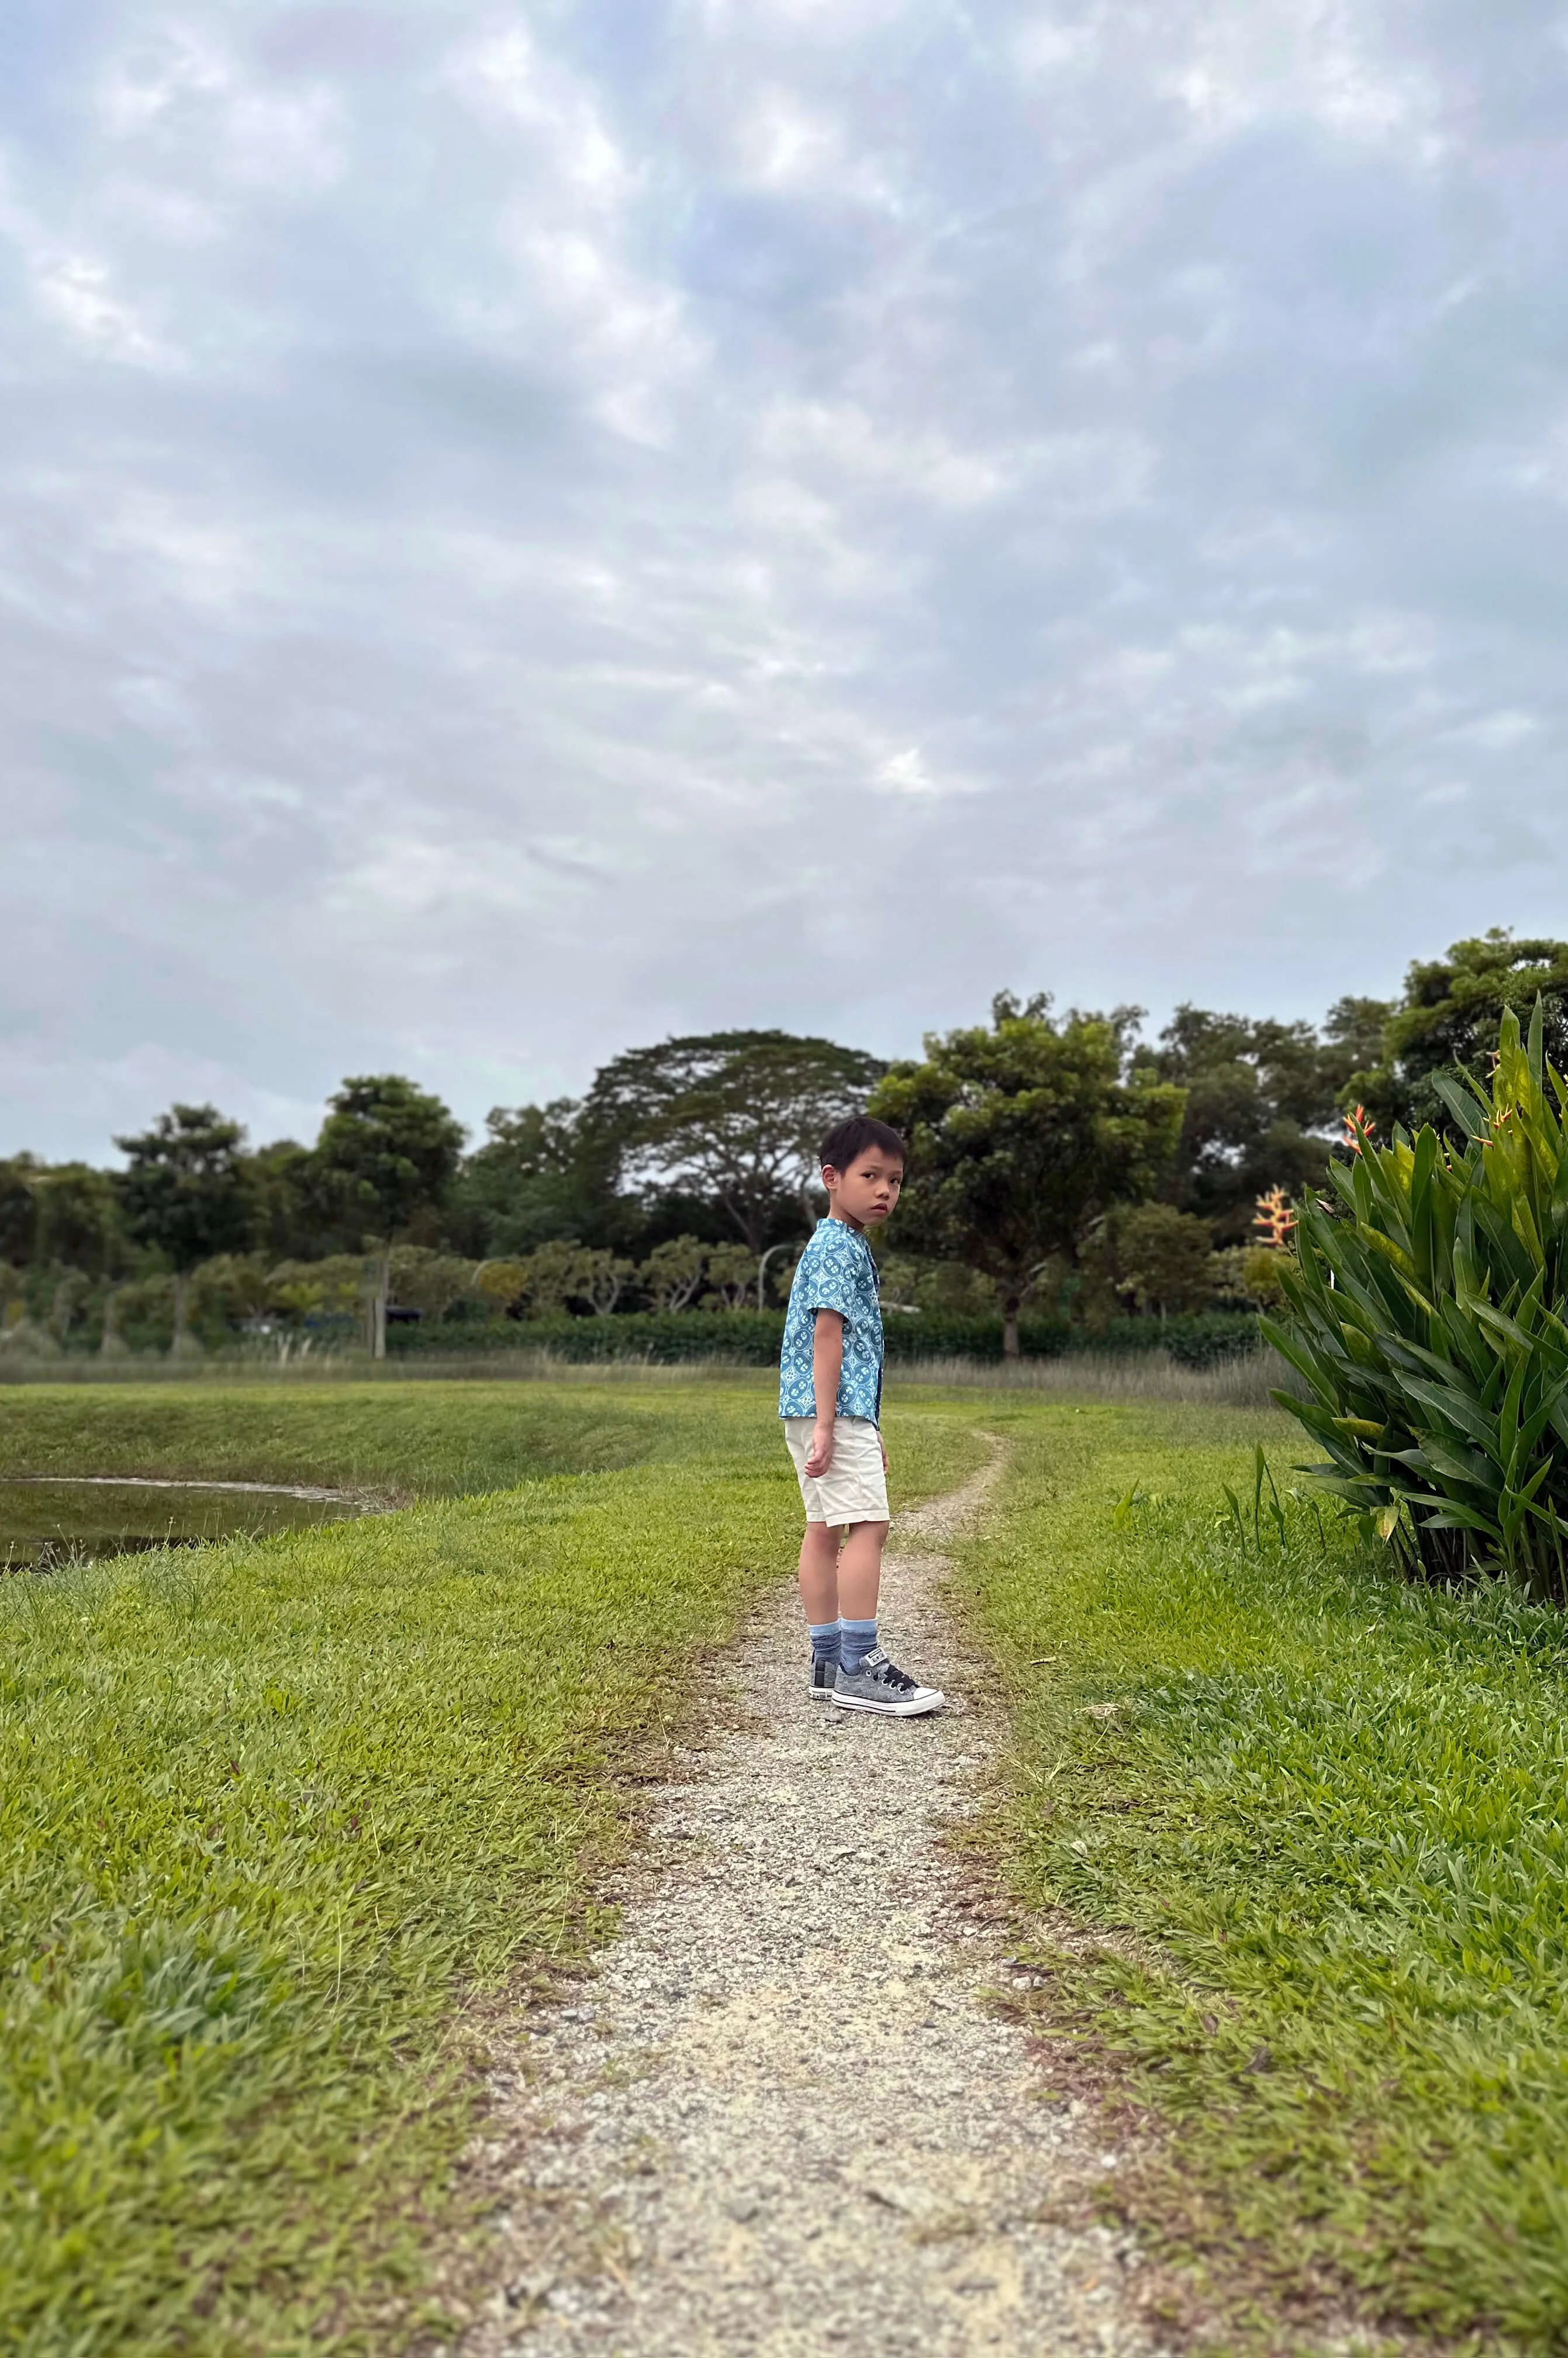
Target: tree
{"points": [[1450, 1017], [387, 1150], [732, 1274], [1020, 1135], [541, 1177], [430, 1281], [550, 1277], [672, 1271], [80, 1222], [1151, 1255], [183, 1192], [735, 1115], [286, 1220], [1261, 1098], [19, 1209]]}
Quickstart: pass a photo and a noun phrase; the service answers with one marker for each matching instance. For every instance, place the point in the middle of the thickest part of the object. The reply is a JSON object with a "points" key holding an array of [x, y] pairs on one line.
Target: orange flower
{"points": [[1275, 1218], [1358, 1128]]}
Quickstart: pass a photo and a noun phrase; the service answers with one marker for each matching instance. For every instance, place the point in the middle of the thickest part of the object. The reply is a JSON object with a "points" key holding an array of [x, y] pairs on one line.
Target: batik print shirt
{"points": [[836, 1271]]}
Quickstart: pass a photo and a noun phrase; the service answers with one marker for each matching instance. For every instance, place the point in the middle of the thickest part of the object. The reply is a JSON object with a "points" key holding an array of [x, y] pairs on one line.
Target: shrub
{"points": [[1425, 1319], [751, 1337]]}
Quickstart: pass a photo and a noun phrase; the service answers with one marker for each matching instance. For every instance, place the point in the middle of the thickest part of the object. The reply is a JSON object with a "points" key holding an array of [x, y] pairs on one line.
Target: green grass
{"points": [[1326, 1822], [411, 1439], [271, 1812]]}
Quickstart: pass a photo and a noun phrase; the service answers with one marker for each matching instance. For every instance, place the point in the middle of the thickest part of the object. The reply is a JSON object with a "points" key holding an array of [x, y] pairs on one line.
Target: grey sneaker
{"points": [[880, 1685], [824, 1678]]}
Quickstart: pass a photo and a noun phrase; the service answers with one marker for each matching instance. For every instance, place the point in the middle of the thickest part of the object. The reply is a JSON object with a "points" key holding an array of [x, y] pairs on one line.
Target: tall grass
{"points": [[1248, 1381]]}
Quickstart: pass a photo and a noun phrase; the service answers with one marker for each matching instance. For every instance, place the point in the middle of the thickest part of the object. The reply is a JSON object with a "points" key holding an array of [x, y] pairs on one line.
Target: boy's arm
{"points": [[827, 1366]]}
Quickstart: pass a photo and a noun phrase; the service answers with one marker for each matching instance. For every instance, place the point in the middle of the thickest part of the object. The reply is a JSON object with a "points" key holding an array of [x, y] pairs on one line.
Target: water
{"points": [[47, 1523]]}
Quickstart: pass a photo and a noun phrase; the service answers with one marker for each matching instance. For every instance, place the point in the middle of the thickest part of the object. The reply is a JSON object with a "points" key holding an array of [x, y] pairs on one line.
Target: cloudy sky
{"points": [[525, 528]]}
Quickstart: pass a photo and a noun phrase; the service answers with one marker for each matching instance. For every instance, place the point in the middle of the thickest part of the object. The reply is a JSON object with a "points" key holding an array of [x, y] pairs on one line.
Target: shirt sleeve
{"points": [[828, 1283]]}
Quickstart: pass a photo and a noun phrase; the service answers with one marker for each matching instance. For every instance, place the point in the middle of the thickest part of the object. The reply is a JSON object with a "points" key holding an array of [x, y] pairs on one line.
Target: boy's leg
{"points": [[819, 1572], [819, 1596], [860, 1572], [867, 1679], [859, 1579]]}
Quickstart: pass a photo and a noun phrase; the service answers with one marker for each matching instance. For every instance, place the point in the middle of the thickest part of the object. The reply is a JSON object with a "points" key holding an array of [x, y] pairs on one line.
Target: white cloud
{"points": [[523, 529]]}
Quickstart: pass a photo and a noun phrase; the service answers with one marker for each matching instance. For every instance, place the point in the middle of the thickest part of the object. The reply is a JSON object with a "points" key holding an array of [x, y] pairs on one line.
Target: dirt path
{"points": [[781, 2119]]}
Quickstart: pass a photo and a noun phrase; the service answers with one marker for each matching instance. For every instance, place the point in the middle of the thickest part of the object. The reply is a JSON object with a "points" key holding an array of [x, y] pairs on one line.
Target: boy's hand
{"points": [[820, 1457]]}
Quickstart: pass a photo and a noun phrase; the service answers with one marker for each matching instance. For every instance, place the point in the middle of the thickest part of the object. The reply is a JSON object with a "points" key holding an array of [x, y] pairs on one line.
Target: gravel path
{"points": [[781, 2119]]}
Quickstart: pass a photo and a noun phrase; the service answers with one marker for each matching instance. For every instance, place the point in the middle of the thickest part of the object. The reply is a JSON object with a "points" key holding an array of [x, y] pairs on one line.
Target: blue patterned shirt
{"points": [[836, 1271]]}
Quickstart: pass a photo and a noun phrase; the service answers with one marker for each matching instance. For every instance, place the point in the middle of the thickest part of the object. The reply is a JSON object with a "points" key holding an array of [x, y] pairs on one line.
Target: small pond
{"points": [[47, 1523]]}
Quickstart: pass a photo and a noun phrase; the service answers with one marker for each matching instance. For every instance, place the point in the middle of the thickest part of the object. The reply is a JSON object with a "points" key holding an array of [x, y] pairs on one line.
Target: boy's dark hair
{"points": [[848, 1141]]}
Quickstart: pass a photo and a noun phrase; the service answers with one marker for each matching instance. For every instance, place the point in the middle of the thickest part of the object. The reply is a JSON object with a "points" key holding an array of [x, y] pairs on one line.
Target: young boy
{"points": [[830, 1398]]}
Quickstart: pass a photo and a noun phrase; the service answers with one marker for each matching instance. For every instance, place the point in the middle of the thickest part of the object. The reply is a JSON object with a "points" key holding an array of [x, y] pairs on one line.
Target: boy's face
{"points": [[867, 1192]]}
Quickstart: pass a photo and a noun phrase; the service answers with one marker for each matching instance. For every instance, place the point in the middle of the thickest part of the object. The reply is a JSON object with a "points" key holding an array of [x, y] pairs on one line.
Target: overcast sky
{"points": [[527, 528]]}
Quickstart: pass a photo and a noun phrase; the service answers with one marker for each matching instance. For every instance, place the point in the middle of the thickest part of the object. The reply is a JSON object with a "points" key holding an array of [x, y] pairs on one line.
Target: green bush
{"points": [[751, 1337], [1425, 1319]]}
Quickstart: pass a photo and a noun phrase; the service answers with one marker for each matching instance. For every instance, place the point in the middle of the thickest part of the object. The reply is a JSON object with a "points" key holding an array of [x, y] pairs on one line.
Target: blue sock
{"points": [[856, 1640], [824, 1641]]}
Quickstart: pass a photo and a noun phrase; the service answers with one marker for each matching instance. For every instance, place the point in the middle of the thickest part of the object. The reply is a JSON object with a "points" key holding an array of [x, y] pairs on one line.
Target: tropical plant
{"points": [[1426, 1321]]}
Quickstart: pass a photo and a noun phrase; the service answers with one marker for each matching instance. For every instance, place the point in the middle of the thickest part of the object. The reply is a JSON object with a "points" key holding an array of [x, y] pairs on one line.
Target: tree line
{"points": [[1060, 1160]]}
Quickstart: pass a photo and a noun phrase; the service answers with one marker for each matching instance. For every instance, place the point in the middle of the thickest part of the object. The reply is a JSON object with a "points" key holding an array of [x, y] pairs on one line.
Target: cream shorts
{"points": [[854, 1490]]}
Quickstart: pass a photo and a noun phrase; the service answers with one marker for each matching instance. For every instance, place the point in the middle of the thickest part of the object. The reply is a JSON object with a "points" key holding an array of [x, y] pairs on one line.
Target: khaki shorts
{"points": [[854, 1490]]}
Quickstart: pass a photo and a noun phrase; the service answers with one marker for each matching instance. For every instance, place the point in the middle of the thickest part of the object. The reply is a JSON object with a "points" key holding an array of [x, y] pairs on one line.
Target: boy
{"points": [[830, 1397]]}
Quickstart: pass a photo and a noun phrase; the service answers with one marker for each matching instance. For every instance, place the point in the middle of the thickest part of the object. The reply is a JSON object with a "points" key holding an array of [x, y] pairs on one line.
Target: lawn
{"points": [[408, 1439], [1320, 1816], [274, 1813], [279, 1819]]}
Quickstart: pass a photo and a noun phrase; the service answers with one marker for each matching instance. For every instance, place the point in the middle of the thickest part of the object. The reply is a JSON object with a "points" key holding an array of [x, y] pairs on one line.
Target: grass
{"points": [[272, 1813], [1318, 1817], [407, 1439]]}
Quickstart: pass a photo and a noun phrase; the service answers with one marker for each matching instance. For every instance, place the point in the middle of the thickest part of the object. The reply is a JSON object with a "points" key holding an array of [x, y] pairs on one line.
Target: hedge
{"points": [[751, 1337]]}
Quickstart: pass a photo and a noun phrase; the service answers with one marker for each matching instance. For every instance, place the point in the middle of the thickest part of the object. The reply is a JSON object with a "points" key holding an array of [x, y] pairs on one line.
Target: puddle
{"points": [[47, 1523]]}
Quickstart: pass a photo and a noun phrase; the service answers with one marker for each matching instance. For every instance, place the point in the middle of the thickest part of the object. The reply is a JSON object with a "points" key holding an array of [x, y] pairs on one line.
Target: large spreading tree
{"points": [[1021, 1134], [183, 1192], [736, 1115], [387, 1151]]}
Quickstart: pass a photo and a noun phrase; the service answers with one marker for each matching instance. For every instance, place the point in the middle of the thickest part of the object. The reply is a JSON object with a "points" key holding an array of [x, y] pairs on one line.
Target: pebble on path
{"points": [[782, 2118]]}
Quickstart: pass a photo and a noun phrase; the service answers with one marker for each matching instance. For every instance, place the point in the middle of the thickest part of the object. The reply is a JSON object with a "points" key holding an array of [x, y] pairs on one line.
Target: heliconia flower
{"points": [[1358, 1128], [1276, 1218]]}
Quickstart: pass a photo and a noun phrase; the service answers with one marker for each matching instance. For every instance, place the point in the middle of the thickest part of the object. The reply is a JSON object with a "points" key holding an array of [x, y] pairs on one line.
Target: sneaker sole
{"points": [[820, 1694], [933, 1699]]}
